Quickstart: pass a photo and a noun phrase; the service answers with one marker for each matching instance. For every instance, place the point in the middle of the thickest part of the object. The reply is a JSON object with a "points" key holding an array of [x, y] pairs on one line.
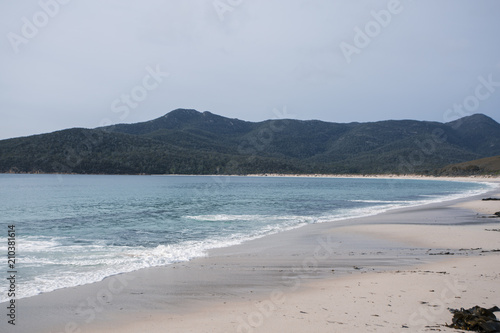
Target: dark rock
{"points": [[488, 199]]}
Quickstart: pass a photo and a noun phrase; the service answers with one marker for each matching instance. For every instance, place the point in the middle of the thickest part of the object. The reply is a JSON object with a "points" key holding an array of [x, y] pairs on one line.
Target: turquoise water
{"points": [[77, 229]]}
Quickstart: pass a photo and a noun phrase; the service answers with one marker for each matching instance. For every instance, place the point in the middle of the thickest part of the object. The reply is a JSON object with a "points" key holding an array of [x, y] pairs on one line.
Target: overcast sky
{"points": [[85, 63]]}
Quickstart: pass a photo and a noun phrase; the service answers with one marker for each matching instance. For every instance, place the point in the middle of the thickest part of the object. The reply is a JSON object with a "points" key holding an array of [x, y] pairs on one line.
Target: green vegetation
{"points": [[191, 142], [483, 166]]}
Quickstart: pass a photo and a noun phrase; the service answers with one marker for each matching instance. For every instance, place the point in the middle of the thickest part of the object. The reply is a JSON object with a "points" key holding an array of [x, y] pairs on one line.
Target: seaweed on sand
{"points": [[476, 319]]}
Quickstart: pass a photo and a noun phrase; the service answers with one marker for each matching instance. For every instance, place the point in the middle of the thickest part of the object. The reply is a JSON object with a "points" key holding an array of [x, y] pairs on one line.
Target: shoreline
{"points": [[246, 271], [380, 176], [490, 177]]}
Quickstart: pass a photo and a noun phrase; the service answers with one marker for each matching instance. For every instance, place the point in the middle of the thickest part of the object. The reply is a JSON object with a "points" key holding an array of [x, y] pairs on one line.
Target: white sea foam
{"points": [[264, 218], [34, 244], [343, 214], [225, 217], [381, 201]]}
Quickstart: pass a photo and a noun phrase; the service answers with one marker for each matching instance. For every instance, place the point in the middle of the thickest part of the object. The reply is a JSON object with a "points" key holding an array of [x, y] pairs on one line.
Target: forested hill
{"points": [[191, 142], [483, 166]]}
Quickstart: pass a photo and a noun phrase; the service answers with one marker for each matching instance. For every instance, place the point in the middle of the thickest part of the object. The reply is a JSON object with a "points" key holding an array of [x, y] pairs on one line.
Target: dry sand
{"points": [[394, 272]]}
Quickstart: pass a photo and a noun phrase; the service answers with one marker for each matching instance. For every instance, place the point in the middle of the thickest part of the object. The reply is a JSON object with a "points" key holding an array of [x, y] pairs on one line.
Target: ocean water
{"points": [[78, 229]]}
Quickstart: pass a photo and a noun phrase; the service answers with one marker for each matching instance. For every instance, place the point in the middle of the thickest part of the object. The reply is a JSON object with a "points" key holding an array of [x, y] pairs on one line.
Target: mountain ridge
{"points": [[186, 141]]}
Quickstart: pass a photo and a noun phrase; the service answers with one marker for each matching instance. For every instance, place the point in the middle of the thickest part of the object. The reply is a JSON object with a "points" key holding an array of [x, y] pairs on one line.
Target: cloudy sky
{"points": [[85, 63]]}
